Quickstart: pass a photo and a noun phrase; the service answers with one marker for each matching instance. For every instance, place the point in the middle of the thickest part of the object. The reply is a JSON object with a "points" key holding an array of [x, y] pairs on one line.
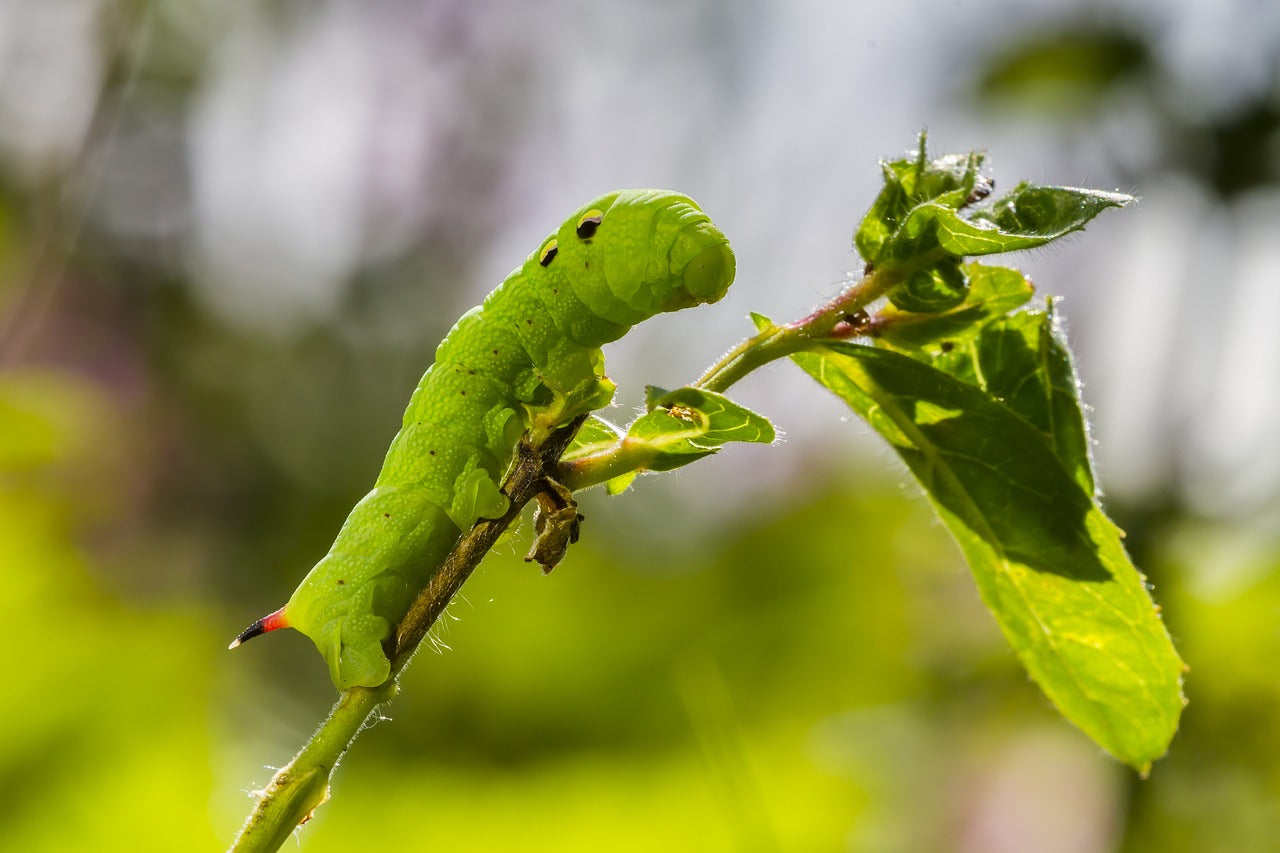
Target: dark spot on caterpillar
{"points": [[471, 373], [386, 515], [529, 322], [555, 291], [588, 224], [549, 253], [948, 346], [340, 581], [495, 352], [586, 265], [431, 453], [463, 393]]}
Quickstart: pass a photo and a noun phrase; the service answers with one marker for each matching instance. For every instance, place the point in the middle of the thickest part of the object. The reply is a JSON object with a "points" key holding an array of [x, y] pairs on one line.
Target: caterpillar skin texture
{"points": [[528, 359]]}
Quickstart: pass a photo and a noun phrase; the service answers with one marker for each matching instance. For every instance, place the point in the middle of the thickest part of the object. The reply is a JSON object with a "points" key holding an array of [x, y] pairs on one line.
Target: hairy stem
{"points": [[842, 317], [302, 785], [834, 319]]}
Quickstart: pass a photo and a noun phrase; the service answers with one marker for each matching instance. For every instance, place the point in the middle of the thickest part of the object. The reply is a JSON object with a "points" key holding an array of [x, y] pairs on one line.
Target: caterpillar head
{"points": [[634, 253]]}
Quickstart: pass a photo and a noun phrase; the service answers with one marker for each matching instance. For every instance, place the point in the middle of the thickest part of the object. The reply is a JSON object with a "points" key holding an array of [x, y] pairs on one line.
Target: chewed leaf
{"points": [[1048, 563], [689, 423], [680, 427], [653, 395]]}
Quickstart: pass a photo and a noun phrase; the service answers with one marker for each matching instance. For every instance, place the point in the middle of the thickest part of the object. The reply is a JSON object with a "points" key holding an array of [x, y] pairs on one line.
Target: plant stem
{"points": [[834, 319], [302, 785]]}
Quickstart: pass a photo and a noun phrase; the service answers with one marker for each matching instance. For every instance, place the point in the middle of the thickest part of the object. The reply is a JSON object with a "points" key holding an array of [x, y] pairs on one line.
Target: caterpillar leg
{"points": [[556, 524]]}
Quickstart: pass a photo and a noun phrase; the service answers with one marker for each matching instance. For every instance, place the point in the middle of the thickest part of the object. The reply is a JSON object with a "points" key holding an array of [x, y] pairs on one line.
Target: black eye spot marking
{"points": [[588, 224], [548, 253]]}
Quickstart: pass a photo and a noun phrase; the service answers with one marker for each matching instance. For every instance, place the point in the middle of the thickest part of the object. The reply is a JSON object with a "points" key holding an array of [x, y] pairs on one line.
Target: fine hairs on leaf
{"points": [[950, 360]]}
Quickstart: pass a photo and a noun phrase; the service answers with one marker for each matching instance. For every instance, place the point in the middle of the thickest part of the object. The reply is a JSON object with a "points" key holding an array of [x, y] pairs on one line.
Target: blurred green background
{"points": [[230, 239]]}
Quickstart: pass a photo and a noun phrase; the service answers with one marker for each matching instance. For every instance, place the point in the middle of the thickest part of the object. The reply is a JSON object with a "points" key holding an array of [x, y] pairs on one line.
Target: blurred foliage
{"points": [[1076, 71], [1066, 71], [102, 707]]}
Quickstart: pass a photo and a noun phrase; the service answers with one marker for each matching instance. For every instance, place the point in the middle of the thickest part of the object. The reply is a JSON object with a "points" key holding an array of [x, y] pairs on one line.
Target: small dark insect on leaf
{"points": [[981, 190], [858, 320]]}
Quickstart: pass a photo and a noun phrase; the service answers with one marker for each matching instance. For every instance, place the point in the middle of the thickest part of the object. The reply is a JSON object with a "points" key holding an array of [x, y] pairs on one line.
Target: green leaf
{"points": [[908, 183], [596, 435], [1069, 72], [1048, 563], [1022, 361], [1032, 213], [939, 287], [993, 291], [761, 322], [653, 395], [1025, 364], [1028, 217], [687, 424], [682, 426]]}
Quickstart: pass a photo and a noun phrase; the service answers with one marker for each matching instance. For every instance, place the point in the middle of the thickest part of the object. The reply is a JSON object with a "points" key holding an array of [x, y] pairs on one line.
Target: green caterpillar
{"points": [[527, 360]]}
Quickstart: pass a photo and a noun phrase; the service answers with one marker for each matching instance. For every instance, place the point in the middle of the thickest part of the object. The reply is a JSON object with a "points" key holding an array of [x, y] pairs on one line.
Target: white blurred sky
{"points": [[326, 137]]}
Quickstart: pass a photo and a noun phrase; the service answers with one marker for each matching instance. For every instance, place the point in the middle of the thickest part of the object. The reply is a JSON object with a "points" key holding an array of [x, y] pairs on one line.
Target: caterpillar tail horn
{"points": [[270, 622]]}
